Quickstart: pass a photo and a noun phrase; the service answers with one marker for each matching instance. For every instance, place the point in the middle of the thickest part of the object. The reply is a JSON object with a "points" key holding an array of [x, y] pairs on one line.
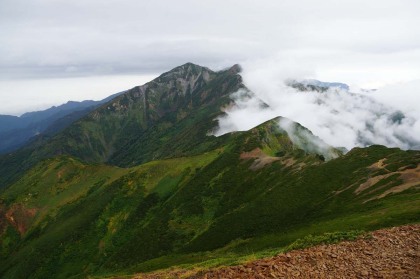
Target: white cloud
{"points": [[340, 118], [360, 42]]}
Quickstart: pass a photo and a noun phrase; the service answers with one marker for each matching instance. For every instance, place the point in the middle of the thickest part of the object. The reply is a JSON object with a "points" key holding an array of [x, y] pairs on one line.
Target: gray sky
{"points": [[55, 50]]}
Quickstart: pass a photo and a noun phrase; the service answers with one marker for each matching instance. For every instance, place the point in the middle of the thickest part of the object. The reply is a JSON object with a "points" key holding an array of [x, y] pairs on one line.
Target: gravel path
{"points": [[389, 253]]}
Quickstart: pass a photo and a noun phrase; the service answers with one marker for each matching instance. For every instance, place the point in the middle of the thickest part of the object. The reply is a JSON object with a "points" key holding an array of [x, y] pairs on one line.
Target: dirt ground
{"points": [[389, 253]]}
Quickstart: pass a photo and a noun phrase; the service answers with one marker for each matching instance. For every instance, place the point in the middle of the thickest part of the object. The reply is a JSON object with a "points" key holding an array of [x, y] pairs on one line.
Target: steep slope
{"points": [[8, 121], [167, 117], [260, 190], [59, 200], [16, 131]]}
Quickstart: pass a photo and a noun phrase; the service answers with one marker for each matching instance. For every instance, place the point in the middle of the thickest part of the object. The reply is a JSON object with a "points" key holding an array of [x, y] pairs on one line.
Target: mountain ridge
{"points": [[139, 184], [184, 205], [315, 85], [118, 127], [16, 132]]}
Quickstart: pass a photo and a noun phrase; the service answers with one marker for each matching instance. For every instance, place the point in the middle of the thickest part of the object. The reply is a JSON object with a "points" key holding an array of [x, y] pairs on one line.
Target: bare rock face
{"points": [[17, 216]]}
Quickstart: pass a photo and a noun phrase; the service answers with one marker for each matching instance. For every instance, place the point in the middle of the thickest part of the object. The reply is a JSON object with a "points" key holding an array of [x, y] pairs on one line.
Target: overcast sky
{"points": [[55, 50]]}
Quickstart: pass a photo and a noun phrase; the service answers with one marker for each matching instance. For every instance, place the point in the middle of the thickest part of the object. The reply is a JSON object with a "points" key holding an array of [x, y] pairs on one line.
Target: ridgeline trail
{"points": [[387, 253]]}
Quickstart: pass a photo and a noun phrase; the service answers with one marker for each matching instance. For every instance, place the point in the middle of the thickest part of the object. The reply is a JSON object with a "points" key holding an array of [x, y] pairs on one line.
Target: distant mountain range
{"points": [[140, 183], [316, 85], [17, 131]]}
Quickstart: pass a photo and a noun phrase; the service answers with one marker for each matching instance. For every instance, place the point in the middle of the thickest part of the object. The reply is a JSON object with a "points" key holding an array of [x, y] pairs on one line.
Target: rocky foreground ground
{"points": [[387, 253]]}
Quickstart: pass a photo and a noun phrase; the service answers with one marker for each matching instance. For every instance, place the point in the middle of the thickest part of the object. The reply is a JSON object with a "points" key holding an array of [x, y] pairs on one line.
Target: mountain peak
{"points": [[165, 103], [190, 65], [235, 69], [300, 137], [316, 85], [186, 70]]}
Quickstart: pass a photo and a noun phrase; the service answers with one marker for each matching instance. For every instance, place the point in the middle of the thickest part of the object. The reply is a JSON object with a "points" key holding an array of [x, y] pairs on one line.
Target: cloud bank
{"points": [[368, 43], [389, 116], [54, 39]]}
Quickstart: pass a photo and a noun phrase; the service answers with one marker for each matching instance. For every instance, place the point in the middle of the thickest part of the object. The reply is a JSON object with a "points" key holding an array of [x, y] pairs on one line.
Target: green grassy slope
{"points": [[257, 192], [166, 118], [61, 199]]}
